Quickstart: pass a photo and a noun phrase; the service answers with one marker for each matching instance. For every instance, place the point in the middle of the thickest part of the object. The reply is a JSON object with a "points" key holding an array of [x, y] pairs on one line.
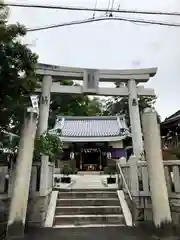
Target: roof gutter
{"points": [[93, 139]]}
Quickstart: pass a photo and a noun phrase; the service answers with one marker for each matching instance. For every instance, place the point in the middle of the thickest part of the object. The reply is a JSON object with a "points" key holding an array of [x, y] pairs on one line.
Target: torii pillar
{"points": [[44, 105], [158, 188], [18, 206], [135, 119], [42, 128]]}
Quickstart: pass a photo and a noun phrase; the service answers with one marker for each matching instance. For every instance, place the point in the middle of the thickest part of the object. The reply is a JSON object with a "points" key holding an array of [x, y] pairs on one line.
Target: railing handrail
{"points": [[144, 163], [125, 183], [133, 207]]}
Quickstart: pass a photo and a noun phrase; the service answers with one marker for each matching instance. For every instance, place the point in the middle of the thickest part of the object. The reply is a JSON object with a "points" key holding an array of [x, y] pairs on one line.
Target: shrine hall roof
{"points": [[91, 127]]}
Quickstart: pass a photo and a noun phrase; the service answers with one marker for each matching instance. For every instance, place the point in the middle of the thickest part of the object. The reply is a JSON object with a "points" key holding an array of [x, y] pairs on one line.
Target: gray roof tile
{"points": [[91, 126]]}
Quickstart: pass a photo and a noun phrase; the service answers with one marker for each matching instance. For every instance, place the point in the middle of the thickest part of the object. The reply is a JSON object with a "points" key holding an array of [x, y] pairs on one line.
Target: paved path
{"points": [[115, 233], [88, 181]]}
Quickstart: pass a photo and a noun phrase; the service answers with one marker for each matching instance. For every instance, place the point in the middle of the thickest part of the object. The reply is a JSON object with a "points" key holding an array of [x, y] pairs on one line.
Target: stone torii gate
{"points": [[91, 78]]}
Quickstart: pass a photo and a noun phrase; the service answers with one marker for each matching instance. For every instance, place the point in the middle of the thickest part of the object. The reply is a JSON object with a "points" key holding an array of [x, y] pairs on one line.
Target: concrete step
{"points": [[88, 219], [88, 202], [87, 173], [88, 210], [89, 232], [90, 226], [90, 194], [86, 190]]}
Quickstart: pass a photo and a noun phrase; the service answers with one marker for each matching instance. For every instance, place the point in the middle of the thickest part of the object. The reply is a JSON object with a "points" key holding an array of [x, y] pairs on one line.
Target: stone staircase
{"points": [[88, 208]]}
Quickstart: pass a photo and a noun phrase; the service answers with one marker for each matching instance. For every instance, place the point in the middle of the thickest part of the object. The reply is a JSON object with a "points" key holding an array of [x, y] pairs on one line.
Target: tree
{"points": [[49, 145], [95, 107], [73, 105], [46, 144], [17, 72], [119, 105]]}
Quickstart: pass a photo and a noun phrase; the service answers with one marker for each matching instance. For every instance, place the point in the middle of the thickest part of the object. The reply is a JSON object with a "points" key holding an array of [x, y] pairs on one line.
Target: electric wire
{"points": [[89, 9], [89, 20]]}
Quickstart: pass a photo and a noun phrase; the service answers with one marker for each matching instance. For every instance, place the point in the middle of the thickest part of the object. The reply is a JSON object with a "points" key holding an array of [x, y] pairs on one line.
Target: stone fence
{"points": [[38, 201], [143, 195]]}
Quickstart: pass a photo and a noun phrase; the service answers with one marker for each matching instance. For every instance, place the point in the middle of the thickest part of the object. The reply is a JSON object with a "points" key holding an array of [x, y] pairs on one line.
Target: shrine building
{"points": [[92, 143]]}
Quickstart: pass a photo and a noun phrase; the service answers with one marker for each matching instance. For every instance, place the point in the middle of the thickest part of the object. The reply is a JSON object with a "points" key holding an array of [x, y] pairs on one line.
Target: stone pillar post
{"points": [[134, 187], [158, 188], [135, 119], [19, 200], [134, 182], [42, 128], [44, 105]]}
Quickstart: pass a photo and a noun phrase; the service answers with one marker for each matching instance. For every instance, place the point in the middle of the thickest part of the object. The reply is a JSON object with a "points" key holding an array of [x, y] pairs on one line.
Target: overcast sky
{"points": [[112, 45]]}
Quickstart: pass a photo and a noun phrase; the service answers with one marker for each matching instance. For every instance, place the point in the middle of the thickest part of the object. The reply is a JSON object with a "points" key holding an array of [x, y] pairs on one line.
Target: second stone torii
{"points": [[91, 78]]}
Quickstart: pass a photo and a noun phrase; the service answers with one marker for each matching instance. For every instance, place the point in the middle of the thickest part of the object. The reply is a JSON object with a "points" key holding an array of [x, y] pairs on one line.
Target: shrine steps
{"points": [[88, 208], [86, 173]]}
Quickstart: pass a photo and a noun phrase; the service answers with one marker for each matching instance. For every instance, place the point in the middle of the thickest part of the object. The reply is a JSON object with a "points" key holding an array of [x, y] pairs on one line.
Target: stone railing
{"points": [[38, 202], [6, 184], [50, 176], [172, 175], [123, 185], [137, 179]]}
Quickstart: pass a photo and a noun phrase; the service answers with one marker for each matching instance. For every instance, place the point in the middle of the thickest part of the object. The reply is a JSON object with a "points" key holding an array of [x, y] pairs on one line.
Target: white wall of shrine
{"points": [[118, 144]]}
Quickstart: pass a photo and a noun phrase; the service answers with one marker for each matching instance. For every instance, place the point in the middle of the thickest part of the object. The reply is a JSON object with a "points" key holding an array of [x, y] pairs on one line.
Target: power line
{"points": [[71, 23], [89, 9]]}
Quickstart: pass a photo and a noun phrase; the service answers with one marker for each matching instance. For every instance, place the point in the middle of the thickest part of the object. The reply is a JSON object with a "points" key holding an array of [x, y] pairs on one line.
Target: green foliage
{"points": [[66, 170], [8, 145], [172, 154], [119, 105], [17, 72], [110, 170], [3, 12], [49, 145], [73, 105]]}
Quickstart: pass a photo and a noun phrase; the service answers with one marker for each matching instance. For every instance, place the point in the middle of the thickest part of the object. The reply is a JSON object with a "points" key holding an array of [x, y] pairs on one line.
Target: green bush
{"points": [[66, 170], [74, 170], [49, 145], [110, 170], [57, 180], [177, 154]]}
